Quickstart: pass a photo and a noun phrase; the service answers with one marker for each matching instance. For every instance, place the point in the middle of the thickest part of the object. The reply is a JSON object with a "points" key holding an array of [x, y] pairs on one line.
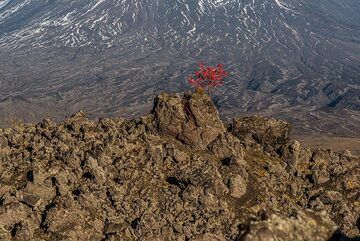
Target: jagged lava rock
{"points": [[304, 226], [192, 119], [263, 130], [175, 174]]}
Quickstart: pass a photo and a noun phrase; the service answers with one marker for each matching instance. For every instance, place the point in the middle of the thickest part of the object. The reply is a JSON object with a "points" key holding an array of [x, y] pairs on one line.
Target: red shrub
{"points": [[207, 77]]}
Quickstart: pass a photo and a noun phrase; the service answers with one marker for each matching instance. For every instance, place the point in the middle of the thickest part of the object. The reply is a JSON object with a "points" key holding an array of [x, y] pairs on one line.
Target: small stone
{"points": [[315, 192], [178, 228], [180, 156], [237, 186], [28, 198], [320, 177]]}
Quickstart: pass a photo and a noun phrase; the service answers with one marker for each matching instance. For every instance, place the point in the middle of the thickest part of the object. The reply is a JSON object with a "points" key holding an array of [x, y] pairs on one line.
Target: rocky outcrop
{"points": [[332, 180], [175, 174], [303, 226], [268, 132], [193, 119]]}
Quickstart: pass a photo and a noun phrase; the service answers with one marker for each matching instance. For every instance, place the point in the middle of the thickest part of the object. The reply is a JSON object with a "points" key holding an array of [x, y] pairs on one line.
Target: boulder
{"points": [[262, 130], [192, 119]]}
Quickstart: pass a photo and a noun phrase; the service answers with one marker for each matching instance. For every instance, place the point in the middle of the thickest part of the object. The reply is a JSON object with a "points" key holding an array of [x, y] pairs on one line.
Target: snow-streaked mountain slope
{"points": [[112, 56]]}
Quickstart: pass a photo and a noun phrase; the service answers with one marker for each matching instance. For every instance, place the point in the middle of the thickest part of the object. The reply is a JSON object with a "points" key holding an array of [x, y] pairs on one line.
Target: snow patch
{"points": [[3, 3], [283, 5]]}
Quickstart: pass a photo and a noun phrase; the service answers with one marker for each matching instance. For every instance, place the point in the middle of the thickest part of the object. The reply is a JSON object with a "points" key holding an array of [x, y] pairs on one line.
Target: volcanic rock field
{"points": [[178, 173]]}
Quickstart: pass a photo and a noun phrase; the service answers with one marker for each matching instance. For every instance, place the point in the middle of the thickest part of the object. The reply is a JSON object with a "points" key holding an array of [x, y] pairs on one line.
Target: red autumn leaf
{"points": [[207, 77]]}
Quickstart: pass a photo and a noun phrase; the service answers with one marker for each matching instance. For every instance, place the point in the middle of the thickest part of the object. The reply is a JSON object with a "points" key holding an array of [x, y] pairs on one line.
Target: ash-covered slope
{"points": [[110, 57], [178, 173]]}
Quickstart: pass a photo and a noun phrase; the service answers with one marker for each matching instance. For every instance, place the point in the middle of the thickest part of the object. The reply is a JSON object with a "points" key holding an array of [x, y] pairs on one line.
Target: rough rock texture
{"points": [[302, 226], [259, 129], [193, 119], [176, 174]]}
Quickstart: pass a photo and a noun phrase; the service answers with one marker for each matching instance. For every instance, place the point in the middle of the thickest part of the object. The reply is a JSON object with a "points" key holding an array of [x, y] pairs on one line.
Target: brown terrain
{"points": [[330, 142], [178, 173]]}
